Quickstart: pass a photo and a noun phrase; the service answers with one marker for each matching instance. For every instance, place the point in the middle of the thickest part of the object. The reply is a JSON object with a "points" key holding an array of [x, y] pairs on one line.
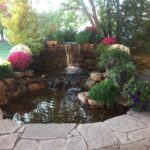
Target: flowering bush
{"points": [[120, 47], [109, 40], [22, 48], [19, 60], [138, 95], [5, 69]]}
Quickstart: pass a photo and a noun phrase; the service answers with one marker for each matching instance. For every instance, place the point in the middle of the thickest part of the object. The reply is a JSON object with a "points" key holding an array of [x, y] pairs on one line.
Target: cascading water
{"points": [[72, 51]]}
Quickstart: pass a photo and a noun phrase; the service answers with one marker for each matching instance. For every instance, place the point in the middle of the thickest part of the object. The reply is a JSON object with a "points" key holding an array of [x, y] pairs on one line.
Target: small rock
{"points": [[1, 114], [19, 74], [105, 74], [89, 83], [36, 86], [43, 76], [96, 76], [29, 73], [94, 103], [83, 96]]}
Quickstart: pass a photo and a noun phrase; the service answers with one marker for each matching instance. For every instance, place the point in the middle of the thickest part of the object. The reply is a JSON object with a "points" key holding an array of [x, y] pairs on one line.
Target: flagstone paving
{"points": [[126, 132]]}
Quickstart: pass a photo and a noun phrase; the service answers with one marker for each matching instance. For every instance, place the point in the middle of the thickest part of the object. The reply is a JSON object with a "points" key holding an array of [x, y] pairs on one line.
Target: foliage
{"points": [[87, 36], [121, 73], [137, 94], [63, 35], [101, 48], [22, 24], [36, 45], [19, 60], [104, 92], [111, 58], [109, 40], [21, 48], [5, 69]]}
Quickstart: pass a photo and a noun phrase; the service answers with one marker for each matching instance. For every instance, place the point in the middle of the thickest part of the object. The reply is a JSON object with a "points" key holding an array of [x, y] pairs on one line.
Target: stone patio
{"points": [[126, 132]]}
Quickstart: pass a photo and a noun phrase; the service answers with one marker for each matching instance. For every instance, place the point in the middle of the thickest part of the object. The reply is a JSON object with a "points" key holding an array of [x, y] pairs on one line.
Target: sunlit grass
{"points": [[4, 49]]}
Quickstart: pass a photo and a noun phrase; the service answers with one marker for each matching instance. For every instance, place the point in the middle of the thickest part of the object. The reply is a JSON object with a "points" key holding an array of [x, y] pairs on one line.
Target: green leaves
{"points": [[104, 92]]}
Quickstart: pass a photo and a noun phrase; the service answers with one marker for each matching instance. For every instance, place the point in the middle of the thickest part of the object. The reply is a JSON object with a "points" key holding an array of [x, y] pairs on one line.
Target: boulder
{"points": [[105, 74], [1, 114], [3, 93], [83, 96], [29, 73], [89, 83], [19, 74], [96, 76], [36, 86], [11, 84]]}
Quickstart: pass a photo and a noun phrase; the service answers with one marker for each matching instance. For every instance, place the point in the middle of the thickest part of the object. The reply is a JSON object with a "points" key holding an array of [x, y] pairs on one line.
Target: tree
{"points": [[23, 22], [135, 17], [89, 12]]}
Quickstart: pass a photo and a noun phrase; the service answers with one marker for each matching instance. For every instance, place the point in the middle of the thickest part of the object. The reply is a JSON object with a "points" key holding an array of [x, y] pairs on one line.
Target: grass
{"points": [[4, 49]]}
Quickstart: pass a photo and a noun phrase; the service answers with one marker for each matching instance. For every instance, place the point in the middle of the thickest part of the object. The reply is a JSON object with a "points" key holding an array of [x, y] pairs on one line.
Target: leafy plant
{"points": [[88, 35], [104, 92], [101, 48], [5, 69], [121, 73], [19, 60], [36, 45], [111, 58], [137, 94]]}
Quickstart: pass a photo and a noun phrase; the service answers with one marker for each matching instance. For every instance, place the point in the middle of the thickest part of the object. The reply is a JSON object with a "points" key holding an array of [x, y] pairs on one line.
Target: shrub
{"points": [[36, 45], [121, 73], [22, 48], [101, 48], [111, 58], [5, 69], [109, 40], [137, 94], [19, 60], [120, 47], [104, 92], [88, 35]]}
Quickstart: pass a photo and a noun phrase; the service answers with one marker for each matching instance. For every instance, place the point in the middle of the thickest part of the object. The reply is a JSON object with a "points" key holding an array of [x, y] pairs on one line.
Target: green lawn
{"points": [[4, 49]]}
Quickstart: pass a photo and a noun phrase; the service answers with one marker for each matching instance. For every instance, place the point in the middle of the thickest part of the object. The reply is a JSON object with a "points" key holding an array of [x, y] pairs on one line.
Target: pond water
{"points": [[59, 104]]}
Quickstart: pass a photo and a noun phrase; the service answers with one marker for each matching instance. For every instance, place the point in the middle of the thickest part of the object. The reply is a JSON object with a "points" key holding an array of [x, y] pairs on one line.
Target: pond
{"points": [[58, 104]]}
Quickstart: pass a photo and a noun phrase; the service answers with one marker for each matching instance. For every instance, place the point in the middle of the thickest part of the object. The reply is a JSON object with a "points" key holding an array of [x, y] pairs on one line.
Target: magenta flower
{"points": [[19, 60], [109, 41]]}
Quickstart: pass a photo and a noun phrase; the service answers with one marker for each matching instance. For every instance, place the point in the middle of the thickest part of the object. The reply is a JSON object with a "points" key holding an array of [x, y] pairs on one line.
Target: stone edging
{"points": [[130, 131]]}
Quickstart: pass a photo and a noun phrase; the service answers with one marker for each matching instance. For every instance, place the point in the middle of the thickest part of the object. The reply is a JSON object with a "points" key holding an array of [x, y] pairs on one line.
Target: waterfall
{"points": [[72, 51]]}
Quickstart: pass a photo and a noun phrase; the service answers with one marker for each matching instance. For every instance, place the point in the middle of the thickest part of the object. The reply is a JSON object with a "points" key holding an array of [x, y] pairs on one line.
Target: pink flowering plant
{"points": [[109, 41], [19, 60], [21, 48]]}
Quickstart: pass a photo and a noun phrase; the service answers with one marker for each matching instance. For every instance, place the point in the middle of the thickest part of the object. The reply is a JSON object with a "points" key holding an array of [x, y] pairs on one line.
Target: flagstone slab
{"points": [[47, 131], [124, 123], [139, 134], [75, 143], [55, 144], [8, 126], [142, 116], [8, 141], [24, 144], [97, 135]]}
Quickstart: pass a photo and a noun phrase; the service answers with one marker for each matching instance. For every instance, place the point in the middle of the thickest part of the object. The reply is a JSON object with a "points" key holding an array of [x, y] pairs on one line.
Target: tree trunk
{"points": [[2, 35], [118, 20], [109, 25]]}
